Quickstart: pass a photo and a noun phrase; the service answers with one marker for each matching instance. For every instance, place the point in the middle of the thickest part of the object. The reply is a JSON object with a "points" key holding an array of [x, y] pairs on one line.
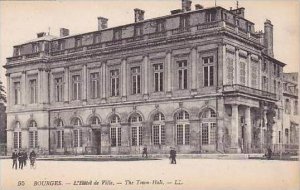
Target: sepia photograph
{"points": [[149, 94]]}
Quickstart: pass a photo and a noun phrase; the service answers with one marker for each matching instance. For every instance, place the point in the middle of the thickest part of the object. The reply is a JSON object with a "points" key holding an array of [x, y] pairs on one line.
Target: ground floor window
{"points": [[33, 139], [115, 136], [137, 136], [158, 132], [77, 138], [60, 139], [18, 139], [209, 133], [183, 134]]}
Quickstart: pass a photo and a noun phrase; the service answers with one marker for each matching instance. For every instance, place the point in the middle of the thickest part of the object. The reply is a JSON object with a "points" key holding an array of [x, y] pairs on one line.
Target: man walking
{"points": [[145, 153], [20, 158], [15, 158], [173, 155]]}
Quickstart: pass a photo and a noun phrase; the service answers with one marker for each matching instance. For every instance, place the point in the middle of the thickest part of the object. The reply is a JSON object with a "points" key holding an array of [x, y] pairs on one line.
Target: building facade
{"points": [[199, 80]]}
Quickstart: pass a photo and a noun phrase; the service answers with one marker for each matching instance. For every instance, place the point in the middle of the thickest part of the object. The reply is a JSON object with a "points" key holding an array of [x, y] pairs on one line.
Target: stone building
{"points": [[199, 80]]}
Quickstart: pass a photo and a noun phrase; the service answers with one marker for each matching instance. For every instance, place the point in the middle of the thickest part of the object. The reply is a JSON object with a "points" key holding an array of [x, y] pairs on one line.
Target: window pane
{"points": [[211, 76], [204, 133], [213, 133], [179, 134], [156, 135], [113, 137], [205, 76], [134, 136], [187, 134]]}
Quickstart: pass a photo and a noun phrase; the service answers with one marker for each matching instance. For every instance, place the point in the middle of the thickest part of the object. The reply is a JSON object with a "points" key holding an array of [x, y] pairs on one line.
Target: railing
{"points": [[208, 25], [248, 90], [28, 56], [180, 30], [157, 35]]}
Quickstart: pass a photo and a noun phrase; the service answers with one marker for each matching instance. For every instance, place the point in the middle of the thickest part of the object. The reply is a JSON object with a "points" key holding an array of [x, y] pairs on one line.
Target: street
{"points": [[153, 174]]}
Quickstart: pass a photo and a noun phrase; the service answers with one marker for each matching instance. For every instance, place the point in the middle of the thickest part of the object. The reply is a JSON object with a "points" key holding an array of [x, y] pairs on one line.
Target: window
{"points": [[95, 120], [208, 70], [115, 131], [76, 121], [158, 77], [97, 38], [136, 130], [242, 73], [136, 80], [117, 34], [182, 74], [210, 16], [160, 26], [33, 139], [78, 42], [237, 22], [61, 45], [230, 70], [60, 134], [17, 92], [254, 74], [209, 126], [296, 108], [183, 128], [275, 69], [265, 66], [158, 129], [265, 83], [275, 86], [17, 139], [77, 138], [95, 85], [33, 91], [114, 82], [35, 48], [184, 21], [138, 30], [287, 106], [58, 89], [76, 84]]}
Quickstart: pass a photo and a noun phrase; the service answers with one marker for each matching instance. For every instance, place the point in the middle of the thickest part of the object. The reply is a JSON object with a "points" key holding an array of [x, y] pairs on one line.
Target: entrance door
{"points": [[97, 142]]}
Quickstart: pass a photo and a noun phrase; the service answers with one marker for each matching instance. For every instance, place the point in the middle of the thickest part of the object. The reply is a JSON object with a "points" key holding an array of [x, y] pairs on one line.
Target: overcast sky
{"points": [[20, 21]]}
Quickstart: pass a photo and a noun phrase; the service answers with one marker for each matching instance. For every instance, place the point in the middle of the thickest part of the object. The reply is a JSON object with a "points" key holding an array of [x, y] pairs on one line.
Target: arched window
{"points": [[115, 131], [60, 134], [158, 129], [183, 127], [17, 135], [95, 120], [77, 132], [33, 134], [136, 129], [208, 126]]}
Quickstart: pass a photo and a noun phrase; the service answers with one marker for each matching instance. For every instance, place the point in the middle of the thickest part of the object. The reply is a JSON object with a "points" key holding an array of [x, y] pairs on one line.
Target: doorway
{"points": [[97, 141]]}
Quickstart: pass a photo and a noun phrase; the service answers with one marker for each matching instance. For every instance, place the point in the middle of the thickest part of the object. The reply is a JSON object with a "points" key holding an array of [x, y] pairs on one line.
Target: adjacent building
{"points": [[200, 80]]}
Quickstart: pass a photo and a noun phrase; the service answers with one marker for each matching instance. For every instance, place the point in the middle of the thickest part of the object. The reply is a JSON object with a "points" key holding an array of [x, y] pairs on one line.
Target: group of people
{"points": [[22, 158], [172, 156]]}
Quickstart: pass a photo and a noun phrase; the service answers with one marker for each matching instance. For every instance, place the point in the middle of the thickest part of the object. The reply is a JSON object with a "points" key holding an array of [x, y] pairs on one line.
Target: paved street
{"points": [[154, 174]]}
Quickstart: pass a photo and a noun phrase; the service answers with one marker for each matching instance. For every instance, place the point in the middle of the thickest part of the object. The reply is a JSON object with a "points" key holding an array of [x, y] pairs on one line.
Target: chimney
{"points": [[41, 34], [198, 7], [64, 32], [138, 15], [186, 5], [102, 23], [268, 38]]}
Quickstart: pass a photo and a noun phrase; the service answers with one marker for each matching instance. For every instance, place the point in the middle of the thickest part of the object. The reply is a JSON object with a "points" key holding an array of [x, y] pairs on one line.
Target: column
{"points": [[259, 75], [23, 88], [248, 129], [103, 82], [84, 81], [169, 73], [46, 88], [146, 77], [124, 79], [236, 68], [235, 128], [40, 89], [66, 86], [8, 90], [249, 69], [194, 69], [224, 64]]}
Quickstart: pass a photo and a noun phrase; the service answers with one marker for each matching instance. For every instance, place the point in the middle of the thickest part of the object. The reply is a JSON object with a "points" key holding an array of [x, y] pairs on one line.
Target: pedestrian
{"points": [[15, 159], [25, 158], [269, 153], [145, 153], [32, 157], [20, 158], [173, 155]]}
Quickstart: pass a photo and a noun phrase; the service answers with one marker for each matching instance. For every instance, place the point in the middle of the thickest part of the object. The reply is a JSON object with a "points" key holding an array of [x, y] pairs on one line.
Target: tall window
{"points": [[242, 73], [60, 134], [77, 132], [160, 26], [287, 106], [17, 92], [114, 82], [230, 70], [210, 16], [58, 89], [78, 42], [209, 127], [76, 84], [254, 74], [182, 74], [136, 80], [115, 131], [184, 21], [136, 130], [17, 136], [183, 128], [265, 83], [208, 70], [117, 34], [33, 91], [94, 85], [33, 139], [61, 45], [296, 108], [158, 129], [158, 77], [138, 30]]}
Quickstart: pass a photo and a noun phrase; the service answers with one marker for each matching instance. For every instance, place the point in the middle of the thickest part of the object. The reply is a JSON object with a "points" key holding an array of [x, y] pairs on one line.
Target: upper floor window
{"points": [[296, 107], [117, 34], [94, 85], [210, 16], [208, 69], [184, 21], [35, 47], [58, 82], [160, 26], [17, 93], [78, 42], [136, 80], [76, 85], [182, 74], [138, 30], [237, 22], [287, 106], [114, 82], [158, 77], [33, 91], [61, 45], [97, 38]]}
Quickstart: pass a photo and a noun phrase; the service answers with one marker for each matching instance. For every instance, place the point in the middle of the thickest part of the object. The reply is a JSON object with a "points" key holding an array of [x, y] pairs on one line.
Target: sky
{"points": [[20, 21]]}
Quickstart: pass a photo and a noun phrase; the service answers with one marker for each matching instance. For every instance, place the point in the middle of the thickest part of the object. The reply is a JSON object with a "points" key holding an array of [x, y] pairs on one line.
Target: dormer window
{"points": [[210, 16], [117, 34], [138, 30], [78, 42], [61, 45], [160, 27], [237, 22], [184, 21], [35, 48]]}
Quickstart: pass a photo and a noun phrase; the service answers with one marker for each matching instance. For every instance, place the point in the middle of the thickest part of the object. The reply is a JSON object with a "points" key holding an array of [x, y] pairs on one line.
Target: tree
{"points": [[2, 92]]}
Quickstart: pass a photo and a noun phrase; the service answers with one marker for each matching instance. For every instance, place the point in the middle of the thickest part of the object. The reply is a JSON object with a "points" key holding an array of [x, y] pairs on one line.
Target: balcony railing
{"points": [[248, 90], [28, 56]]}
